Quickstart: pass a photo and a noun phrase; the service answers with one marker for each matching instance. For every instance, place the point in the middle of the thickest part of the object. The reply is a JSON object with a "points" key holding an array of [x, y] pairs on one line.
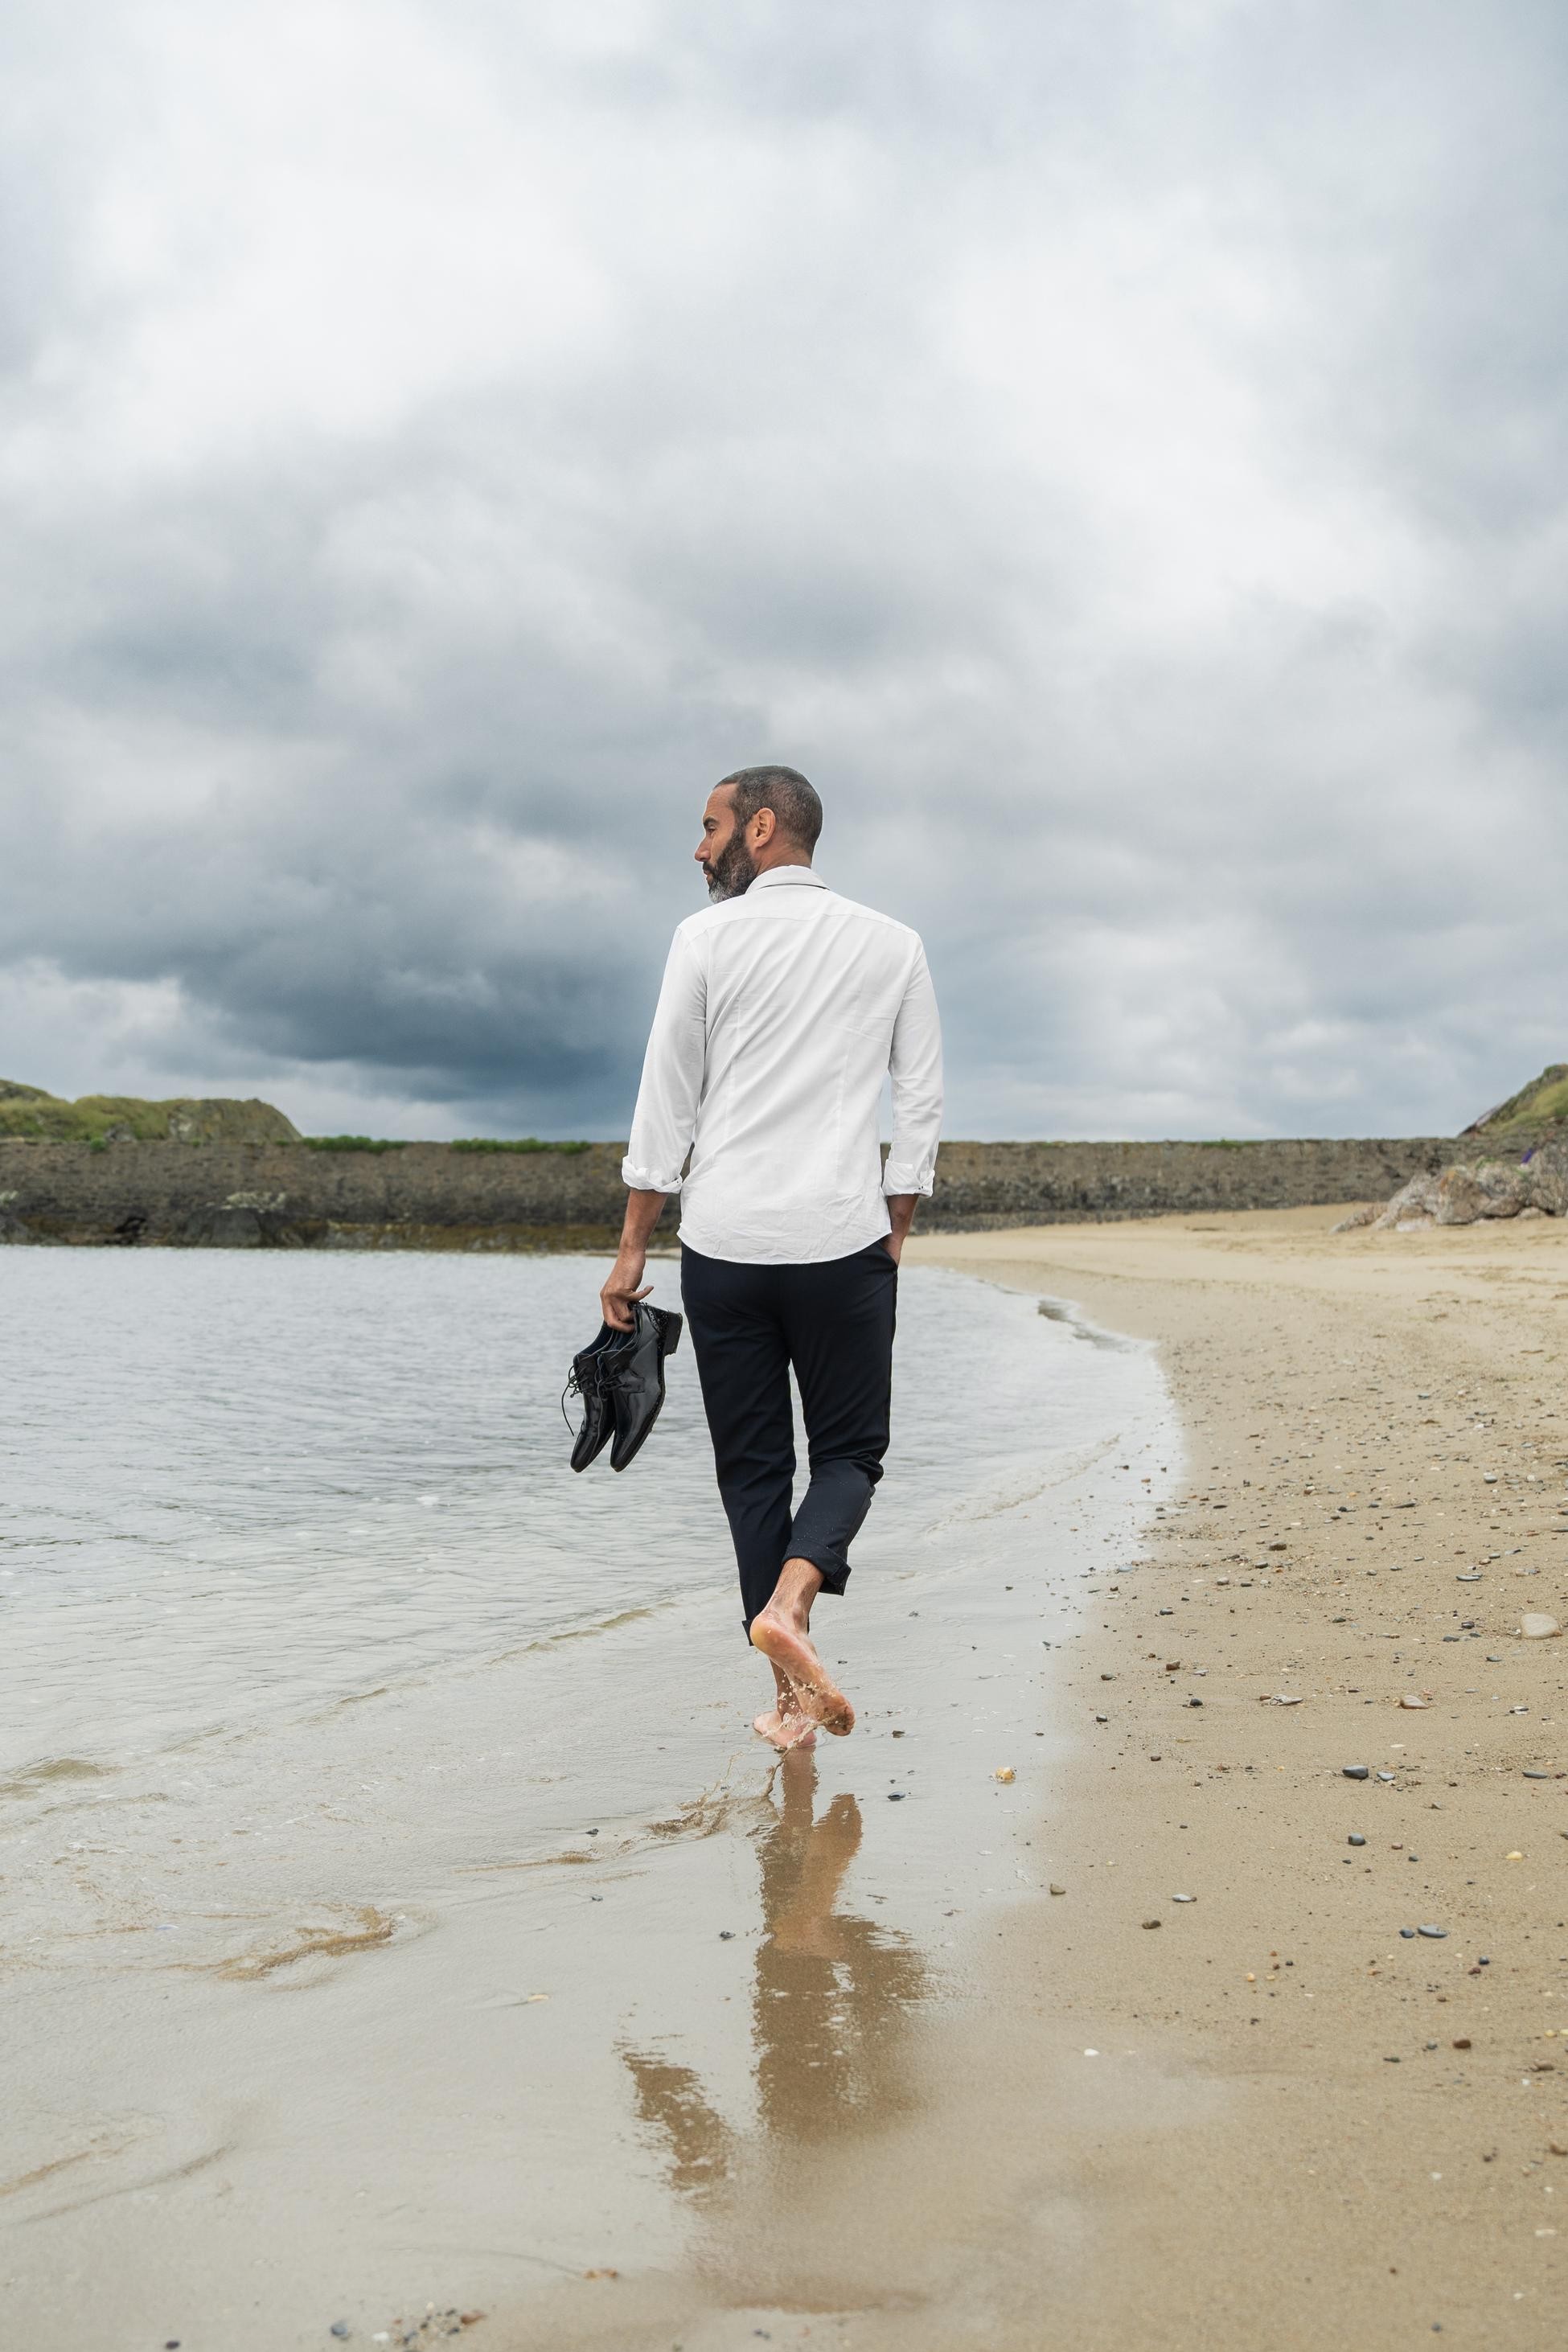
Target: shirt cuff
{"points": [[895, 1179], [638, 1179]]}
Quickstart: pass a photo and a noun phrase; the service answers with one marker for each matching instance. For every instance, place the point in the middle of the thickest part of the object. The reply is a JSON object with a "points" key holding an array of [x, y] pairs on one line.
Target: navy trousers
{"points": [[832, 1323]]}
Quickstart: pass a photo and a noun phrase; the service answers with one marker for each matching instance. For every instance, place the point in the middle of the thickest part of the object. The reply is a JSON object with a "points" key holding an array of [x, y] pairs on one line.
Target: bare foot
{"points": [[787, 1646], [786, 1729]]}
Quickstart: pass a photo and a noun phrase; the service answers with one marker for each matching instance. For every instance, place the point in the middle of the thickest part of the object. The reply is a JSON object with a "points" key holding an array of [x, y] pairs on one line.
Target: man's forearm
{"points": [[625, 1284], [901, 1207], [643, 1213]]}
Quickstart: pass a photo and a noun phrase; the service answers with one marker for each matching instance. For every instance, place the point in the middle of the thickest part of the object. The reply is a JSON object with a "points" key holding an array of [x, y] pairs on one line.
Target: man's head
{"points": [[756, 818]]}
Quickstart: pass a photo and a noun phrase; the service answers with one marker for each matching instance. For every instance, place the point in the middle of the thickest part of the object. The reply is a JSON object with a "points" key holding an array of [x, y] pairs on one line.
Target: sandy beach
{"points": [[1375, 2137]]}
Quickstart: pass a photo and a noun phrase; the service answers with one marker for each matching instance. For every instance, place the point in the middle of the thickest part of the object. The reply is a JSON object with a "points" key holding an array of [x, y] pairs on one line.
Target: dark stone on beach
{"points": [[1536, 1776], [1355, 1838], [1408, 1933], [896, 1796], [726, 1935], [1355, 1772], [1437, 1934], [1194, 1702], [339, 2328]]}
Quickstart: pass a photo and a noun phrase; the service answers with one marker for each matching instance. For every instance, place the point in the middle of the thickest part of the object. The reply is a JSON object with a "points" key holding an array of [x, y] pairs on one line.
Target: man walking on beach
{"points": [[783, 1009]]}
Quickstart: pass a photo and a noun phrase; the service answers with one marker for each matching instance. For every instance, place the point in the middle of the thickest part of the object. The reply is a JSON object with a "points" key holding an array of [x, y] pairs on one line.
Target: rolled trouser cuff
{"points": [[833, 1568]]}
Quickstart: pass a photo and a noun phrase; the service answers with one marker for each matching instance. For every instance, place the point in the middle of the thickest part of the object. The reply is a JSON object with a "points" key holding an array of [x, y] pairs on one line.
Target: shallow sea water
{"points": [[397, 1905], [234, 1485]]}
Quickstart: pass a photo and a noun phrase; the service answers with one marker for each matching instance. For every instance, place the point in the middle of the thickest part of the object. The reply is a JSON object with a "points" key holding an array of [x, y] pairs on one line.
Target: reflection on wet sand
{"points": [[829, 1996], [670, 2102]]}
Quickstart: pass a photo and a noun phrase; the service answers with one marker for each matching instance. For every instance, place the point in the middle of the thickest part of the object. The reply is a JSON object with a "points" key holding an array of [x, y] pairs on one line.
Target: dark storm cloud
{"points": [[1118, 451]]}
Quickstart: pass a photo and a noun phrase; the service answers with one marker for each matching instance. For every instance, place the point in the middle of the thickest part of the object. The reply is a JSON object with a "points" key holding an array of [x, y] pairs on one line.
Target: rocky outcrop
{"points": [[570, 1196], [1534, 1115], [127, 1119], [1003, 1184], [1463, 1193]]}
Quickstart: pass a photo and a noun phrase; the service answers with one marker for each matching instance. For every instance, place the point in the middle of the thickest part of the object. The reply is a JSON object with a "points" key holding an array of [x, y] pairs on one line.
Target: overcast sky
{"points": [[1116, 447]]}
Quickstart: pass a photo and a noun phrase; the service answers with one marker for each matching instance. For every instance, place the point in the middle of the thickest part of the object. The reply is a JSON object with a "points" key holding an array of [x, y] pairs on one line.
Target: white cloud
{"points": [[1116, 450]]}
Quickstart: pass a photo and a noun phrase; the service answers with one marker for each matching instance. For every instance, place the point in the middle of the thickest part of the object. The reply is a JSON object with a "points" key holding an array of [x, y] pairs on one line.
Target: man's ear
{"points": [[765, 825]]}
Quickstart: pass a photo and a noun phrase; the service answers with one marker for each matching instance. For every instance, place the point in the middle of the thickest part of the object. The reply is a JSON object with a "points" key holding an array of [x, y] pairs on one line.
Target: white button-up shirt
{"points": [[781, 1014]]}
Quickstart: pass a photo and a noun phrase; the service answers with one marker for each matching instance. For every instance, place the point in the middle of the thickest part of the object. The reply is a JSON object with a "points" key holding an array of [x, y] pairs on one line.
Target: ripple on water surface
{"points": [[245, 1486]]}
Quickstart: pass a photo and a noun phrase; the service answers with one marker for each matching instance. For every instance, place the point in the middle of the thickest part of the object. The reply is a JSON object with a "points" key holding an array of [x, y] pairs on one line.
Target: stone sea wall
{"points": [[429, 1196]]}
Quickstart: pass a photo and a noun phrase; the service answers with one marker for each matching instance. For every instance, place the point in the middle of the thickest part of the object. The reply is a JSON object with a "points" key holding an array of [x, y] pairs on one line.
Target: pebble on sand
{"points": [[1355, 1838], [1410, 1699], [1536, 1626], [1150, 1923], [1059, 1890], [1006, 1772], [1356, 1771]]}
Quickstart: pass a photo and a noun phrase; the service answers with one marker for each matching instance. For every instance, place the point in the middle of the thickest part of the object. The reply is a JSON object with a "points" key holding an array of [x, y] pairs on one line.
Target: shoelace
{"points": [[579, 1386], [600, 1373]]}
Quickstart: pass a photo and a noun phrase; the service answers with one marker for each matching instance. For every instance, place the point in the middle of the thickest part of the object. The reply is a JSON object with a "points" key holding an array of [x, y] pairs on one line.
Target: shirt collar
{"points": [[777, 874]]}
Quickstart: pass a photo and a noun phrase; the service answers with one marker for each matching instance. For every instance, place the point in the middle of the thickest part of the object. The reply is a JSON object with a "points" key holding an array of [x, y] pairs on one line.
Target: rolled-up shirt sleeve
{"points": [[666, 1115], [915, 1064]]}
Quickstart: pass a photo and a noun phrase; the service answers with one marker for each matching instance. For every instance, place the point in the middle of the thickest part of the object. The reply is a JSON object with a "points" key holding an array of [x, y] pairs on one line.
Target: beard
{"points": [[732, 872]]}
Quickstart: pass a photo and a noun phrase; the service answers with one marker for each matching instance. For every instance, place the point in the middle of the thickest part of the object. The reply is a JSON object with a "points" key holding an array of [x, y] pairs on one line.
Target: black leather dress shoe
{"points": [[634, 1375], [586, 1380]]}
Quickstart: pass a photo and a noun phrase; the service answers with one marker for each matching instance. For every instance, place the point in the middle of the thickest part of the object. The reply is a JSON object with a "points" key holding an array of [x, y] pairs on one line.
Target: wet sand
{"points": [[1270, 2119], [528, 1984]]}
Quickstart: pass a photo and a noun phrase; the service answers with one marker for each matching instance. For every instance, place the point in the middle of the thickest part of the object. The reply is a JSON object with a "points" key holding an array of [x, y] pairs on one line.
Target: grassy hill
{"points": [[1540, 1108], [113, 1118]]}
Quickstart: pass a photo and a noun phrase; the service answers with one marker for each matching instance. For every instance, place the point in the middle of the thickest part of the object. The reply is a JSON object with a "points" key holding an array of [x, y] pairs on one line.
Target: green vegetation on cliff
{"points": [[113, 1118], [31, 1113], [467, 1143], [353, 1143], [1538, 1110], [516, 1143]]}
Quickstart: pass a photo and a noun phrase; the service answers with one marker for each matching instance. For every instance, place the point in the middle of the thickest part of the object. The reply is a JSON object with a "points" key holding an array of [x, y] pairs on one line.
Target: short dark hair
{"points": [[796, 807]]}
